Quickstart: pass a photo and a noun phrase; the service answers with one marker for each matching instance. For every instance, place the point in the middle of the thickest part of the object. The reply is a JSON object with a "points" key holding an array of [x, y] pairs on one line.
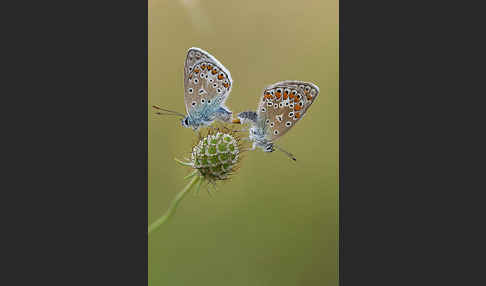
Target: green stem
{"points": [[175, 202]]}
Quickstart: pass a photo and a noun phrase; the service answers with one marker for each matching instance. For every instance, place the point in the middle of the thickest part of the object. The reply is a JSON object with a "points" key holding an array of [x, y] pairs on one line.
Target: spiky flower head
{"points": [[217, 154]]}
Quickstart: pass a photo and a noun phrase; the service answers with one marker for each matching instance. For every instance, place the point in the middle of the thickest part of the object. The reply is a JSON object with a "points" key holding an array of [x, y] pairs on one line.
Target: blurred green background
{"points": [[276, 222]]}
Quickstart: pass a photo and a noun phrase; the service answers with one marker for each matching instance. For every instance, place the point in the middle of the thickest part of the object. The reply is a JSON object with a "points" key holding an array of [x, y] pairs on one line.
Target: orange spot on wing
{"points": [[309, 97], [214, 71], [203, 66], [297, 115], [297, 108], [226, 85], [220, 76], [286, 95], [210, 67], [296, 100], [278, 94], [291, 95], [196, 70]]}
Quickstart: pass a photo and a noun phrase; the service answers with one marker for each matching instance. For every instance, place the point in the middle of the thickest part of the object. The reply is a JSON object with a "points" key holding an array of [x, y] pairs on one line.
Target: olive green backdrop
{"points": [[276, 222]]}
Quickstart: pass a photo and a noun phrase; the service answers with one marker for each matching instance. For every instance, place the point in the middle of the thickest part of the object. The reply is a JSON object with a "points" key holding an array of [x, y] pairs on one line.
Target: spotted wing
{"points": [[283, 104], [207, 83]]}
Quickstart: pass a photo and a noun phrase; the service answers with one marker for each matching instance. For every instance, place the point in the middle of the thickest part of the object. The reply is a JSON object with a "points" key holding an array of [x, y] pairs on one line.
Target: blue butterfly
{"points": [[207, 85], [280, 107]]}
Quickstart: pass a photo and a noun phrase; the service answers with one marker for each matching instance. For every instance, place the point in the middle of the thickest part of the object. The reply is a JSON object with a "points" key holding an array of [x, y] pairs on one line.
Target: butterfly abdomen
{"points": [[248, 116]]}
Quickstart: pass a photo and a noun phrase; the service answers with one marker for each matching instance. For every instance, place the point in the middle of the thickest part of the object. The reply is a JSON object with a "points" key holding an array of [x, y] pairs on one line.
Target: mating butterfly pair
{"points": [[207, 85]]}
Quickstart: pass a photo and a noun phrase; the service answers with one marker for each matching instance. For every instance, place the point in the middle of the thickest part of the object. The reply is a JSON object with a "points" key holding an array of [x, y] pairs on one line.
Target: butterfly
{"points": [[207, 85], [281, 106]]}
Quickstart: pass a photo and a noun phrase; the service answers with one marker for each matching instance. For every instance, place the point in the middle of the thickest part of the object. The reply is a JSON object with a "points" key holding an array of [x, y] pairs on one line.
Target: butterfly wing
{"points": [[207, 83], [283, 104]]}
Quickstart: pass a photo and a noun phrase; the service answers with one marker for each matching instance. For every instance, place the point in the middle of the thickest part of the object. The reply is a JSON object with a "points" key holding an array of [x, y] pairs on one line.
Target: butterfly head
{"points": [[188, 122], [185, 121], [268, 147]]}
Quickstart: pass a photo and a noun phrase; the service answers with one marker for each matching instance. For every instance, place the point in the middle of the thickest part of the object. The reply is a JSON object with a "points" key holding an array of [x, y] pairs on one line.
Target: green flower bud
{"points": [[217, 154]]}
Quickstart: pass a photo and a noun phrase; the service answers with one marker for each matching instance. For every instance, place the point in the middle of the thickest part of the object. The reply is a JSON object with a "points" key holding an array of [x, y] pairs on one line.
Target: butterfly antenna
{"points": [[170, 112], [286, 152], [160, 113]]}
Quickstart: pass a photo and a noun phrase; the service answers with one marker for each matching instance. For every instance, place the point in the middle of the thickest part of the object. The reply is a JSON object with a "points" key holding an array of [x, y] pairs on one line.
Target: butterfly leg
{"points": [[242, 130], [253, 147]]}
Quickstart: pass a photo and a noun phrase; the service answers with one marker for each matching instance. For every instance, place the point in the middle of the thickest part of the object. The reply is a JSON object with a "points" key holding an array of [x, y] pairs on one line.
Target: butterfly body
{"points": [[205, 116], [281, 106], [207, 85], [258, 132]]}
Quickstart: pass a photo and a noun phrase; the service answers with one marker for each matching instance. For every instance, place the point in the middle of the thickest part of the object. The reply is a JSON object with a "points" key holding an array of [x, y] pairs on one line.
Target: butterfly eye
{"points": [[275, 132], [215, 85], [291, 114], [190, 90], [202, 100], [288, 123], [272, 124], [196, 81]]}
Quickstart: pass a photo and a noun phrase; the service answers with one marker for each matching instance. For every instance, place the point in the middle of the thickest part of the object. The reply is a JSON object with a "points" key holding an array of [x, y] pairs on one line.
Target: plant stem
{"points": [[175, 202]]}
